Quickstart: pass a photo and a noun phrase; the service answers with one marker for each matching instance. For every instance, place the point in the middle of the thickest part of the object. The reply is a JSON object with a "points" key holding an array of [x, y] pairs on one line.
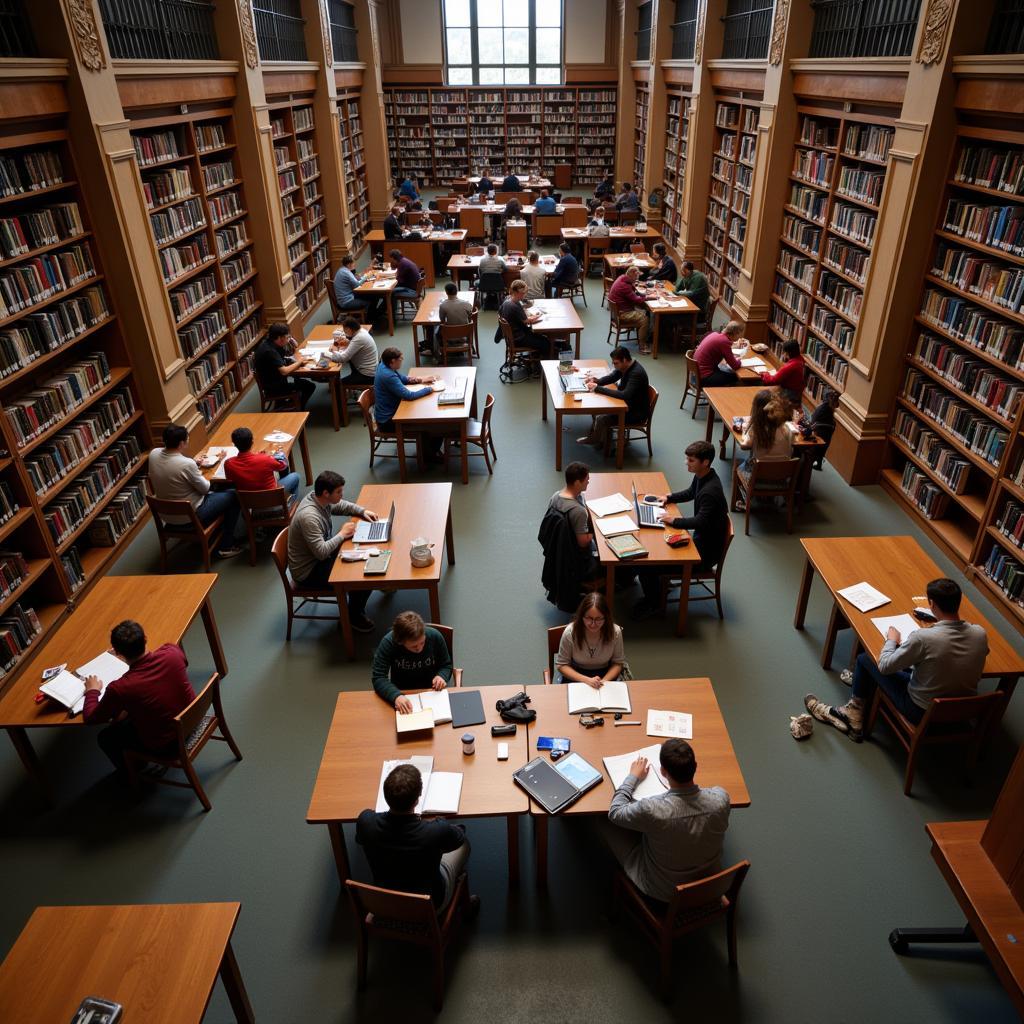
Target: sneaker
{"points": [[740, 506], [232, 552], [818, 466], [824, 713], [846, 677], [853, 715], [362, 624], [801, 726]]}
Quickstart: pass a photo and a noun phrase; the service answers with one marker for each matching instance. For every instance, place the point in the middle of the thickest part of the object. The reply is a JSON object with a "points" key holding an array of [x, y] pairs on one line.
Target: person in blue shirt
{"points": [[511, 183], [627, 199], [567, 271], [390, 390], [345, 283], [545, 204], [407, 188], [486, 185]]}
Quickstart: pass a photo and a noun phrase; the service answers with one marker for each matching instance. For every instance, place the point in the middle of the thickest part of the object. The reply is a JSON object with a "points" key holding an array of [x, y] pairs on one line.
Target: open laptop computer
{"points": [[454, 393], [573, 383], [646, 515], [372, 533]]}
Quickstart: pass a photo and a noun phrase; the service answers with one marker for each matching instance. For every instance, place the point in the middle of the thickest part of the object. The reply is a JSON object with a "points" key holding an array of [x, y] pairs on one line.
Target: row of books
{"points": [[180, 259], [282, 158], [13, 572], [71, 566], [813, 166], [861, 184], [996, 167], [216, 175], [947, 463], [302, 118], [1011, 523], [809, 201], [230, 238], [819, 133], [192, 295], [155, 147], [30, 171], [1005, 572], [236, 270], [833, 365], [845, 297], [796, 300], [201, 331], [850, 259], [999, 227], [247, 333], [973, 325], [868, 141], [40, 277], [177, 221], [210, 136], [46, 226], [224, 206], [830, 325], [799, 232], [216, 399], [167, 186], [786, 324], [121, 513], [8, 504], [203, 372], [240, 303], [980, 275], [18, 628], [930, 499], [798, 266]]}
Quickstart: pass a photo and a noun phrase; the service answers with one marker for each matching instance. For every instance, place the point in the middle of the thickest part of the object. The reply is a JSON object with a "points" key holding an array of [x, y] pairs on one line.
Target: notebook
{"points": [[467, 708], [617, 768], [557, 786], [863, 597], [68, 688], [414, 721], [441, 790], [611, 505], [625, 546], [609, 697]]}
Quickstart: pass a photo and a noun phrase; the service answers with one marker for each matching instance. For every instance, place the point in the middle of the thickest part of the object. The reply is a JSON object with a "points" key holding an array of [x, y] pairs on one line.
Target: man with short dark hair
{"points": [[392, 225], [485, 185], [492, 263], [407, 277], [544, 203], [409, 853], [566, 537], [567, 270], [510, 183], [944, 660], [273, 363], [627, 199], [790, 375], [693, 285], [631, 384], [143, 703], [390, 390], [358, 350], [665, 270], [681, 831], [254, 471], [521, 322]]}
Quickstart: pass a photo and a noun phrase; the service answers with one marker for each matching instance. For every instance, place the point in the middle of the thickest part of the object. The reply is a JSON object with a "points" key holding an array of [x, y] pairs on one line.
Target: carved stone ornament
{"points": [[252, 51], [87, 36], [325, 28], [779, 31], [936, 26], [698, 42]]}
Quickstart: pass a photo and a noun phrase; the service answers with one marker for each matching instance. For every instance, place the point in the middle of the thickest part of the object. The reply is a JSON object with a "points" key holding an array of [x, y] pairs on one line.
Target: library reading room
{"points": [[311, 622]]}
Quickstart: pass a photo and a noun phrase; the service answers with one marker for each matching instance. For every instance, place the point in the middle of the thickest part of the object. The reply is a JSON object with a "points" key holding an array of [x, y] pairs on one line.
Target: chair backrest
{"points": [[628, 216], [554, 639], [691, 367], [491, 281], [473, 221], [387, 905], [572, 201], [452, 334], [336, 312], [485, 419], [162, 508], [637, 247], [706, 891], [599, 246], [506, 333], [366, 400], [279, 552], [448, 634], [781, 472], [957, 710], [545, 224], [258, 501], [652, 398], [613, 308], [190, 718], [574, 216]]}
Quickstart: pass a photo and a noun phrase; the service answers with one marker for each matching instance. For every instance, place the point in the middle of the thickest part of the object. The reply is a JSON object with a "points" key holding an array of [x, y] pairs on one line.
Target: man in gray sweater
{"points": [[312, 549], [674, 837], [945, 660]]}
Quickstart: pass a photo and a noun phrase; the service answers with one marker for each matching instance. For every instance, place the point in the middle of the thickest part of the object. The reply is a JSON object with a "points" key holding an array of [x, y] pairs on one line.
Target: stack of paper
{"points": [[617, 768], [69, 687], [904, 623], [863, 597], [616, 524], [610, 505]]}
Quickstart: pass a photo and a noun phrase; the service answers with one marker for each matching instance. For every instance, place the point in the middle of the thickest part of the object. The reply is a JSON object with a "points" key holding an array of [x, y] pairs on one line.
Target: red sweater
{"points": [[624, 294], [711, 351], [151, 693], [253, 471], [790, 375]]}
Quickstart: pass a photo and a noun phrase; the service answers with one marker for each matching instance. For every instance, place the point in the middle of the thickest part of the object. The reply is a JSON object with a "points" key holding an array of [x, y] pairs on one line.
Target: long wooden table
{"points": [[362, 736], [589, 404], [320, 338], [159, 961], [671, 561], [420, 251], [560, 318], [261, 424], [716, 759], [421, 510], [461, 266], [427, 315], [616, 234], [381, 284], [662, 302]]}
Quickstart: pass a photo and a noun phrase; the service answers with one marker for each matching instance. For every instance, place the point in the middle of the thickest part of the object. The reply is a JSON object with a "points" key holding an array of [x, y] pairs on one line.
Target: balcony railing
{"points": [[1006, 34], [279, 29], [16, 38], [684, 30], [160, 29], [643, 32], [748, 24], [864, 28], [343, 32]]}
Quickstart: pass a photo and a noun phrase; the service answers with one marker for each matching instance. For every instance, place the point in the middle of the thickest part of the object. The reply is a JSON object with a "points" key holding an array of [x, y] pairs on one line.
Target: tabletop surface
{"points": [[427, 313], [362, 736], [460, 261], [559, 315], [716, 759], [589, 402], [426, 409], [661, 300], [625, 260], [261, 424], [456, 235], [732, 402], [159, 961], [616, 232]]}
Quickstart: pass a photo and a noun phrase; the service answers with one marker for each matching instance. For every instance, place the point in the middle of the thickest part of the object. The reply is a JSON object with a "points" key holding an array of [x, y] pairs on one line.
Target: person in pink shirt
{"points": [[631, 305], [715, 349]]}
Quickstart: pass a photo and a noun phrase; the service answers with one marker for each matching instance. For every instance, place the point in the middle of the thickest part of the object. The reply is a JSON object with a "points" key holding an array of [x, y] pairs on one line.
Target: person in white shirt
{"points": [[767, 436], [492, 263], [359, 350], [534, 276]]}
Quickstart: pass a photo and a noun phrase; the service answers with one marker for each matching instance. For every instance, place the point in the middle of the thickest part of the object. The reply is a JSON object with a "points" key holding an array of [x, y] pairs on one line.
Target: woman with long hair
{"points": [[591, 648]]}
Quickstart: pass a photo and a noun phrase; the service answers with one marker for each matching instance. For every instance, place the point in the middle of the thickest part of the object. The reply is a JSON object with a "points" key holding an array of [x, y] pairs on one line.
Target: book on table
{"points": [[613, 525], [68, 688], [434, 701], [863, 596], [442, 791], [618, 765], [626, 547], [609, 697]]}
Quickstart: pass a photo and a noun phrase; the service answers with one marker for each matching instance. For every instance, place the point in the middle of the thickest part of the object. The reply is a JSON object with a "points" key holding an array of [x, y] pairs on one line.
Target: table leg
{"points": [[609, 584], [210, 623], [684, 600], [465, 452], [233, 985], [335, 409], [578, 334], [400, 433], [435, 603], [836, 622], [723, 439], [336, 831], [710, 432], [620, 448], [544, 400], [657, 333], [540, 841], [805, 592], [449, 537], [346, 623], [416, 343], [558, 439], [472, 403], [693, 330], [30, 759], [340, 400], [512, 827], [391, 313], [304, 452]]}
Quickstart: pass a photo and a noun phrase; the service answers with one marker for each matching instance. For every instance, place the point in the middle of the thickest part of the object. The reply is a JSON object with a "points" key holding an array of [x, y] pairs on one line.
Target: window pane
{"points": [[517, 76], [491, 51], [456, 12], [460, 48], [517, 46], [488, 12], [460, 76], [549, 46], [549, 12], [492, 76], [549, 76], [517, 12]]}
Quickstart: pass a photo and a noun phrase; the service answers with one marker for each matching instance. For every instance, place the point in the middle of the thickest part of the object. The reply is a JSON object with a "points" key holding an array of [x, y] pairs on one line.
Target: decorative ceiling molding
{"points": [[87, 35], [779, 26], [250, 48], [937, 20]]}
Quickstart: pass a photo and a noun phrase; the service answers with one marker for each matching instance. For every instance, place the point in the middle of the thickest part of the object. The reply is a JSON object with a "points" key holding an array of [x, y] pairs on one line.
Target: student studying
{"points": [[591, 648], [412, 656]]}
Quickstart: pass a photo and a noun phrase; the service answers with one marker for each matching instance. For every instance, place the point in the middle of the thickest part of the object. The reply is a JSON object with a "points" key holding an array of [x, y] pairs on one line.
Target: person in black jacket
{"points": [[631, 385], [566, 536], [708, 525], [511, 183], [666, 268], [392, 226], [823, 422]]}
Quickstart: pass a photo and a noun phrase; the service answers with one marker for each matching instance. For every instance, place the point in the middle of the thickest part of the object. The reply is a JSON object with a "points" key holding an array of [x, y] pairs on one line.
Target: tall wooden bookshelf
{"points": [[298, 174], [559, 127], [409, 138], [353, 161], [486, 113], [640, 114], [73, 440], [524, 125], [677, 131], [198, 222], [597, 112], [956, 449], [449, 123], [828, 228], [732, 175]]}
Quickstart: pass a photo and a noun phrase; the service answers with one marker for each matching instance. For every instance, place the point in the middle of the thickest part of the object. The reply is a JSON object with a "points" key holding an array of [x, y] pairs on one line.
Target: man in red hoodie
{"points": [[254, 471], [790, 375]]}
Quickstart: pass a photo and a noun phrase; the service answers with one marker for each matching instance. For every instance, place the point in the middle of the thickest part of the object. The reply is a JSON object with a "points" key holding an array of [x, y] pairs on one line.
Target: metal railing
{"points": [[643, 32], [748, 25], [343, 32], [160, 29], [864, 28], [279, 29], [684, 30], [16, 39], [1006, 34]]}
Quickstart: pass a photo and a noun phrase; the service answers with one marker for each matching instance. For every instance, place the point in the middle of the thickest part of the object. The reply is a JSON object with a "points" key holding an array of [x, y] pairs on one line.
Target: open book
{"points": [[68, 688], [441, 790], [617, 768], [609, 697], [434, 701]]}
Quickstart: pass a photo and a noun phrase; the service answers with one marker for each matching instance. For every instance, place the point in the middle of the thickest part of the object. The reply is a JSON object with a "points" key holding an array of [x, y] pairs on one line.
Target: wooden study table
{"points": [[672, 561], [560, 317], [159, 961], [461, 266], [380, 284], [261, 424], [416, 414], [619, 262], [321, 338], [421, 510], [362, 736], [420, 251], [900, 569], [164, 606], [616, 234], [661, 302], [716, 759], [589, 404], [526, 181], [427, 315]]}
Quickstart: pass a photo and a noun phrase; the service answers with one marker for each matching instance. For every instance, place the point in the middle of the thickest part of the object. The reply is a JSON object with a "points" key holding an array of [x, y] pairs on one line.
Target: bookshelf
{"points": [[486, 129], [732, 175], [642, 107], [597, 112], [559, 127], [828, 229], [677, 130], [449, 122], [73, 440], [353, 162], [523, 123], [301, 185], [196, 203], [409, 139]]}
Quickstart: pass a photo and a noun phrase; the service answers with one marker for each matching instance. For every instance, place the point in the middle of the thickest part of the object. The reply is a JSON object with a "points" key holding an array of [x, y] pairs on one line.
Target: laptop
{"points": [[556, 786], [372, 533], [453, 394], [647, 515], [573, 383]]}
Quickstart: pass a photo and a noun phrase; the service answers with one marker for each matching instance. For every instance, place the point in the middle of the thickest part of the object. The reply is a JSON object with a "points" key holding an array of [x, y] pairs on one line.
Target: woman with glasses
{"points": [[591, 648]]}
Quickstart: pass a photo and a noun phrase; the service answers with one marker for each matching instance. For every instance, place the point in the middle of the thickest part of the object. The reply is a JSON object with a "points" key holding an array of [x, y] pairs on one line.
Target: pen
{"points": [[617, 724]]}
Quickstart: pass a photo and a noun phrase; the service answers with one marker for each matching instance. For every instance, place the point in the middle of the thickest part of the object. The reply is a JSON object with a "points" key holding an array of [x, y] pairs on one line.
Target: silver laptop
{"points": [[573, 383], [373, 533], [453, 394], [647, 515]]}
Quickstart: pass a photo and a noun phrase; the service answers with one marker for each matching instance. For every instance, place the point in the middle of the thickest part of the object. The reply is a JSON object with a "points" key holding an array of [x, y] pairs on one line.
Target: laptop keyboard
{"points": [[648, 514], [378, 530]]}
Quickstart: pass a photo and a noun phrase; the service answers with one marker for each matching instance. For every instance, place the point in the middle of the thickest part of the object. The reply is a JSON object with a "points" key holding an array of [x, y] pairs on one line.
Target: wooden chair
{"points": [[191, 531], [406, 917], [627, 218], [262, 509], [554, 639], [637, 247], [277, 403], [623, 332], [573, 201], [337, 315], [478, 432], [516, 357], [448, 634], [515, 237], [597, 249], [378, 438], [693, 383], [574, 216], [769, 478], [962, 720], [202, 721], [547, 225], [294, 592], [704, 580], [404, 305], [694, 905], [608, 276], [487, 285], [458, 339], [570, 291], [472, 220], [637, 430]]}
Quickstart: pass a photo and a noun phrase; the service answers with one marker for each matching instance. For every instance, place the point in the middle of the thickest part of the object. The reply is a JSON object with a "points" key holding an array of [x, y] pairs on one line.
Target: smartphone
{"points": [[94, 1010], [553, 743]]}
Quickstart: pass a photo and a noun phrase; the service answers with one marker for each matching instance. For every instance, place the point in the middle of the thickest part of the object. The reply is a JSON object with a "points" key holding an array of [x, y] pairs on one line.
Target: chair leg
{"points": [[730, 935], [206, 553], [650, 447], [291, 616], [665, 961], [190, 772], [163, 554], [133, 776], [438, 979], [226, 732], [908, 775], [362, 942], [251, 530]]}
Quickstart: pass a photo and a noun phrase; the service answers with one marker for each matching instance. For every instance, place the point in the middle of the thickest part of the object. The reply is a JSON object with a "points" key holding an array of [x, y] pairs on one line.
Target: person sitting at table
{"points": [[273, 363], [522, 323], [567, 271], [513, 211], [665, 268], [708, 525], [451, 310], [693, 285], [408, 189], [255, 471], [346, 281], [412, 656], [425, 224], [312, 550], [790, 375], [143, 703], [631, 384], [176, 477], [605, 189], [485, 185], [510, 183], [823, 423], [598, 227], [409, 853], [390, 390], [545, 204], [392, 225], [591, 650], [631, 305], [627, 199], [358, 350], [566, 537], [673, 837], [715, 349], [944, 660], [491, 262], [407, 276], [534, 275], [766, 434]]}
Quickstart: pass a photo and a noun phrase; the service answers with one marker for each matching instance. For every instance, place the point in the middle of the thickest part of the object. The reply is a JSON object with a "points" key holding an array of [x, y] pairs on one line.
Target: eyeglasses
{"points": [[592, 621]]}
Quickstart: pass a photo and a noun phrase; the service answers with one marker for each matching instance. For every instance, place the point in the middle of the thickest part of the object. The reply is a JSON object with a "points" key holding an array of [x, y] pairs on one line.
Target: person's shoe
{"points": [[740, 506], [801, 726], [473, 910], [643, 610], [853, 715], [818, 466], [824, 713], [846, 677], [232, 552], [362, 624], [586, 440], [154, 771]]}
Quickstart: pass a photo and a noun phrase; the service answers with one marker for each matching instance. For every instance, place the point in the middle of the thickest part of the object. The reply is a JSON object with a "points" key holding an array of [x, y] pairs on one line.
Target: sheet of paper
{"points": [[106, 665], [425, 764], [380, 284], [414, 721], [669, 724], [754, 363], [904, 623], [66, 688], [617, 768], [278, 436], [443, 794], [863, 596], [437, 702], [610, 505], [616, 524]]}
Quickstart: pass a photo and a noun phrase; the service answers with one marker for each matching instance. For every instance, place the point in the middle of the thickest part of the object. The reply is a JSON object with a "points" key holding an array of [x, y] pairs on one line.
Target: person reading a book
{"points": [[591, 648], [716, 348], [944, 660], [413, 656], [143, 703], [766, 434], [410, 853], [673, 837]]}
